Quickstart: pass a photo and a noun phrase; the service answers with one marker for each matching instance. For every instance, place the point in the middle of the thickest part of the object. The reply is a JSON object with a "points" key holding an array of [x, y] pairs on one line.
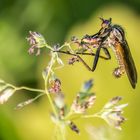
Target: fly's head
{"points": [[105, 27], [105, 22]]}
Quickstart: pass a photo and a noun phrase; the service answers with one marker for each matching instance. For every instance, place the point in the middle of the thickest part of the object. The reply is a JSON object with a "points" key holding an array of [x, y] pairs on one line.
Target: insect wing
{"points": [[129, 64], [127, 57]]}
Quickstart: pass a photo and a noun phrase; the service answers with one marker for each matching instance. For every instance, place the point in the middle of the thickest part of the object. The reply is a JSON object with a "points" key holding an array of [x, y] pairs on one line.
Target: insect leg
{"points": [[79, 53], [96, 59], [93, 54], [83, 62], [97, 55]]}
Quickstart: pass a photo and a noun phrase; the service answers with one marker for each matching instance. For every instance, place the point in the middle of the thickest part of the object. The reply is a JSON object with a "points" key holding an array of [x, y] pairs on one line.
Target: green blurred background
{"points": [[58, 20]]}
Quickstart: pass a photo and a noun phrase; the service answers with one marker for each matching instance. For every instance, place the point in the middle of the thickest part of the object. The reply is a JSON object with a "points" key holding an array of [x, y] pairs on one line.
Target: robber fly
{"points": [[112, 36], [109, 36]]}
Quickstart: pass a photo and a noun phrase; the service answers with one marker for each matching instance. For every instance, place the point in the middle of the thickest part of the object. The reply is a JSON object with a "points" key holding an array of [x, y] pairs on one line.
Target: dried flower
{"points": [[55, 86], [113, 102], [112, 113], [114, 119], [73, 127], [84, 98], [72, 60], [59, 100], [6, 94], [60, 105], [21, 105], [80, 106], [29, 101], [36, 41]]}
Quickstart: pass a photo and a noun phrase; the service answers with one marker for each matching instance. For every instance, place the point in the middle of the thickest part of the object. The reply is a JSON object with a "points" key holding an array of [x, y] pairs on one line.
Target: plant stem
{"points": [[59, 124], [26, 88], [62, 131], [69, 115], [46, 85], [91, 116], [29, 89]]}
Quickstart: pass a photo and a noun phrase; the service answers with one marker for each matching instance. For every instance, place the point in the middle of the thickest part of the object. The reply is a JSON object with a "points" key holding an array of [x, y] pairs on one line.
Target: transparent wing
{"points": [[129, 64]]}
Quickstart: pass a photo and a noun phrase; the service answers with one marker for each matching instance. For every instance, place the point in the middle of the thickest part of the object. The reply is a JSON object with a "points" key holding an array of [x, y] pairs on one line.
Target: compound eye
{"points": [[105, 22]]}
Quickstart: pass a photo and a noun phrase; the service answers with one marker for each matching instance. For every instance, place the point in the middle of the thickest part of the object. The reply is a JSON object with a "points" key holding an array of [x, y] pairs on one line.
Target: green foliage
{"points": [[7, 127]]}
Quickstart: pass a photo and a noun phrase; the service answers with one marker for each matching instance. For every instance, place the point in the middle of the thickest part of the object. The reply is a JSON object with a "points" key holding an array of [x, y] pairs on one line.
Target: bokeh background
{"points": [[58, 20]]}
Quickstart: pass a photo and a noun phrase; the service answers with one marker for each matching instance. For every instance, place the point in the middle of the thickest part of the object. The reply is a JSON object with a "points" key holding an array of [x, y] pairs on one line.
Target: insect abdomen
{"points": [[119, 55]]}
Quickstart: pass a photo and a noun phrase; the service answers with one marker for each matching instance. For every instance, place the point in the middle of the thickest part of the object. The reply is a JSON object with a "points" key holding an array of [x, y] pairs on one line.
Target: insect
{"points": [[109, 36]]}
